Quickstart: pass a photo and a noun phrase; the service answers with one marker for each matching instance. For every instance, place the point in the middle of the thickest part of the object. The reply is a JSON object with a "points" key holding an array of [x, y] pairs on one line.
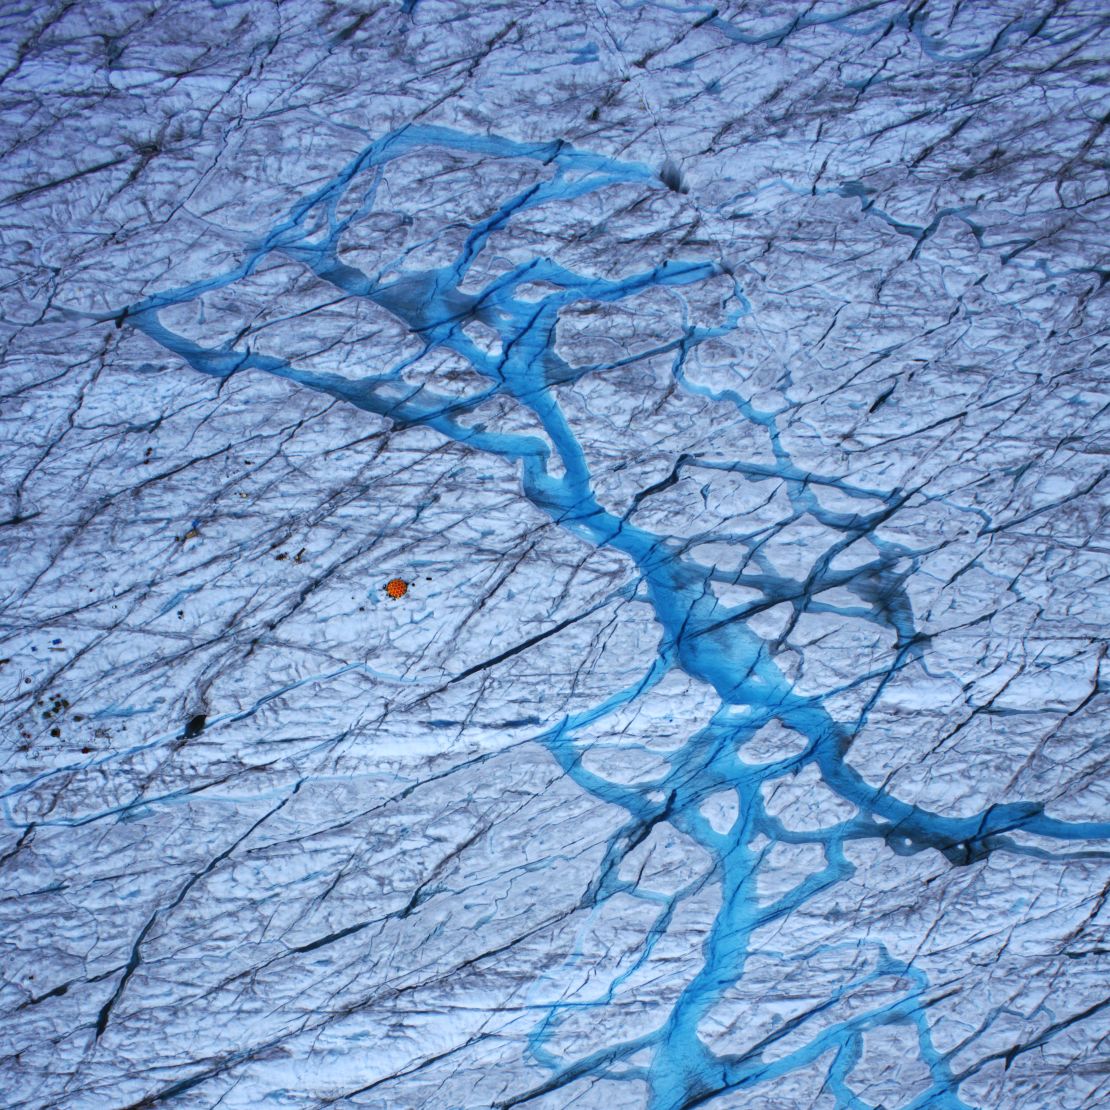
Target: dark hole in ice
{"points": [[195, 726], [671, 176]]}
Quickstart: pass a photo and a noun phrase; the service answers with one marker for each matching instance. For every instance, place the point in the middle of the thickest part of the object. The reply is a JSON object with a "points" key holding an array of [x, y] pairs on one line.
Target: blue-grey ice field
{"points": [[721, 388]]}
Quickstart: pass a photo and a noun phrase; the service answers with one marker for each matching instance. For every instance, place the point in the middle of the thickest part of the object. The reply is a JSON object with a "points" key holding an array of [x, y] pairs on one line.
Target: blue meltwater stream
{"points": [[707, 640]]}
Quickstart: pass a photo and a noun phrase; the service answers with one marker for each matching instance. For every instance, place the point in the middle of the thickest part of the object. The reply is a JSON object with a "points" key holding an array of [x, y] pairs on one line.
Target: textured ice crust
{"points": [[729, 384]]}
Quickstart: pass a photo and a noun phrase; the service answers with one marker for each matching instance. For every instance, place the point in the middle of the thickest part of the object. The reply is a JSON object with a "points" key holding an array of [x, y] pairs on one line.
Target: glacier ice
{"points": [[727, 383]]}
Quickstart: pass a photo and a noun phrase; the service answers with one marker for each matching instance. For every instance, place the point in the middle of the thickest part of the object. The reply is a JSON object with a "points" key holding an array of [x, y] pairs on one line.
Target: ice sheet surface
{"points": [[727, 385]]}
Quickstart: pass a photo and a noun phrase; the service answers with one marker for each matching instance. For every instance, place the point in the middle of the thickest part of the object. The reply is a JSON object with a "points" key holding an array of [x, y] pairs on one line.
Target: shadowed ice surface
{"points": [[735, 743]]}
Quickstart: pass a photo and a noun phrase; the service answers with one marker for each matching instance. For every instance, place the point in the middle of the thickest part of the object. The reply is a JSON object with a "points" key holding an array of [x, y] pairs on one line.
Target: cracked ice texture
{"points": [[730, 384]]}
